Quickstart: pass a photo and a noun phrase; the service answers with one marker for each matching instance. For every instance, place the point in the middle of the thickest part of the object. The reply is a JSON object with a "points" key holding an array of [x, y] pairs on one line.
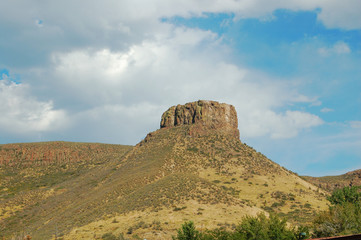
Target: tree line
{"points": [[343, 217]]}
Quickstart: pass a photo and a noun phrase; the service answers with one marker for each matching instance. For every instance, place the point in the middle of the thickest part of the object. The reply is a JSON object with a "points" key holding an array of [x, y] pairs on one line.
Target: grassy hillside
{"points": [[150, 189], [330, 183], [28, 181]]}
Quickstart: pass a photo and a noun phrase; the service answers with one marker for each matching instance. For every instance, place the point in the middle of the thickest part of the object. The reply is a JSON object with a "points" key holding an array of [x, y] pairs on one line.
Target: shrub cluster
{"points": [[251, 228], [343, 216]]}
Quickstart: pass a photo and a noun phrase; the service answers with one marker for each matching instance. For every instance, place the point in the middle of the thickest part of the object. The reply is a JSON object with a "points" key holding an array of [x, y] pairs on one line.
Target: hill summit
{"points": [[193, 168], [205, 115], [330, 183]]}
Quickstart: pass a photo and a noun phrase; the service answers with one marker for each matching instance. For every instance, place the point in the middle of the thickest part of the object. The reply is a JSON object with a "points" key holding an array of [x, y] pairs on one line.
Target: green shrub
{"points": [[187, 232], [251, 228], [109, 236], [338, 220], [263, 228], [179, 208], [193, 149], [345, 195], [343, 216]]}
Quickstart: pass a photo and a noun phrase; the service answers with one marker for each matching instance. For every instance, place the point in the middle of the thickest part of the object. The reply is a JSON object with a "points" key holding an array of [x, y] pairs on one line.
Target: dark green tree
{"points": [[218, 234], [253, 227], [187, 232], [345, 195], [259, 227], [263, 228]]}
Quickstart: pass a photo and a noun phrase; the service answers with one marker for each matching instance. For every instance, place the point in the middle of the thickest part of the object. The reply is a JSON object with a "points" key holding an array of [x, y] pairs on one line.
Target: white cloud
{"points": [[23, 114], [326, 110], [117, 25], [115, 67], [338, 48], [277, 126], [125, 56], [341, 48], [333, 13], [134, 19], [88, 67], [340, 14], [174, 70]]}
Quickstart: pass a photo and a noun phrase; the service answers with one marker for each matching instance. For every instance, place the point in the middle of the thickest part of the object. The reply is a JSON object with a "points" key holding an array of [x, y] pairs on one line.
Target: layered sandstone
{"points": [[203, 116]]}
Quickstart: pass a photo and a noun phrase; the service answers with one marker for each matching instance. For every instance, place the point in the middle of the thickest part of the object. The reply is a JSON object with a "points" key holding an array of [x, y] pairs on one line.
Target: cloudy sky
{"points": [[105, 71]]}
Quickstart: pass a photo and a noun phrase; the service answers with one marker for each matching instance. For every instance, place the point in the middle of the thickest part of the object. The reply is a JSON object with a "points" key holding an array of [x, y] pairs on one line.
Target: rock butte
{"points": [[204, 117]]}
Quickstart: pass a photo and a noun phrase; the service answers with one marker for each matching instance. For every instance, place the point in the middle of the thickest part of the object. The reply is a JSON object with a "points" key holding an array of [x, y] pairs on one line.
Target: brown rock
{"points": [[203, 116]]}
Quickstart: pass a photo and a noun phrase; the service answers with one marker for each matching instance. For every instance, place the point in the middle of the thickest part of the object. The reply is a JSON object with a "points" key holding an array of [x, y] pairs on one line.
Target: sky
{"points": [[105, 71]]}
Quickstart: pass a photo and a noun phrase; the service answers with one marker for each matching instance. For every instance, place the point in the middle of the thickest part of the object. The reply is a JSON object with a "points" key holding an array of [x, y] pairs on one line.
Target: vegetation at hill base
{"points": [[259, 227], [343, 216]]}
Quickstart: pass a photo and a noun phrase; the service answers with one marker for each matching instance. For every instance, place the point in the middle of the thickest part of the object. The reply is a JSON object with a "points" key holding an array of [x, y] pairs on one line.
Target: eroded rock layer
{"points": [[204, 115]]}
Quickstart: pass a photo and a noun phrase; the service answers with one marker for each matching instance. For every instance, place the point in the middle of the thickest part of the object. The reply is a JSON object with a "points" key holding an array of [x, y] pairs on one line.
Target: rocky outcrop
{"points": [[203, 116]]}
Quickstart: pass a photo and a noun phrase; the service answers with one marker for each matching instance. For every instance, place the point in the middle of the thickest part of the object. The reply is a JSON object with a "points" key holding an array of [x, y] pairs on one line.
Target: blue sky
{"points": [[291, 69], [290, 45], [295, 44]]}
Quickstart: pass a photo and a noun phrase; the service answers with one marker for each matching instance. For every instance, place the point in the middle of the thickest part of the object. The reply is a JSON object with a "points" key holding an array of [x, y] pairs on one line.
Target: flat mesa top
{"points": [[206, 113]]}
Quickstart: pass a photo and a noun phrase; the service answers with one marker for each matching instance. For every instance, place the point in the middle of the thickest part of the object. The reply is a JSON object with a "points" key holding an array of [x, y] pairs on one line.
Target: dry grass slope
{"points": [[150, 189], [31, 186], [330, 183]]}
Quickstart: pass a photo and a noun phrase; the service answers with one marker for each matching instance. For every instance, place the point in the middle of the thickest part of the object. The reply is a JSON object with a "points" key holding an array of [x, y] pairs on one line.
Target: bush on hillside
{"points": [[109, 236], [343, 216], [345, 195], [263, 228], [187, 232], [251, 228]]}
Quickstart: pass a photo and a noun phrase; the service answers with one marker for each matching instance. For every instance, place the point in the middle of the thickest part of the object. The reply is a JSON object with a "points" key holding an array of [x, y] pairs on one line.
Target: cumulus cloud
{"points": [[333, 13], [124, 57], [119, 24], [337, 14], [106, 70], [114, 123], [341, 48], [23, 114], [277, 125], [172, 70], [338, 48]]}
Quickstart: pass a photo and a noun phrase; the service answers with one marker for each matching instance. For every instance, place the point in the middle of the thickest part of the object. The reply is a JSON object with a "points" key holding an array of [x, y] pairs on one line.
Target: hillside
{"points": [[31, 173], [193, 168], [330, 183]]}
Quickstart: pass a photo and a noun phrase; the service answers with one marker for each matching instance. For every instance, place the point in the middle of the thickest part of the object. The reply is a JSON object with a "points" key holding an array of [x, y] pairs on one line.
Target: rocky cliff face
{"points": [[203, 116]]}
